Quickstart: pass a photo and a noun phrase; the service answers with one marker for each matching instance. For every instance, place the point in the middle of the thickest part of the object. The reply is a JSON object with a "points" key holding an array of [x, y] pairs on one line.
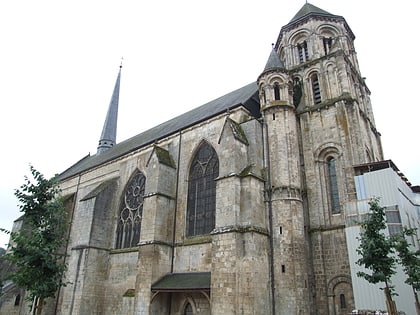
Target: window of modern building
{"points": [[131, 211], [316, 91], [201, 206], [333, 185], [393, 220]]}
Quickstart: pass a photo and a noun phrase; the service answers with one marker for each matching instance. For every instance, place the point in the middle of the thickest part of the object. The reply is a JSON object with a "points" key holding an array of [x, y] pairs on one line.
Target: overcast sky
{"points": [[59, 61]]}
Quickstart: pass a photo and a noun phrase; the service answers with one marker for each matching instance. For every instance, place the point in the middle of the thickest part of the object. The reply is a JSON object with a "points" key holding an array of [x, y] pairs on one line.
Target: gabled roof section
{"points": [[246, 96]]}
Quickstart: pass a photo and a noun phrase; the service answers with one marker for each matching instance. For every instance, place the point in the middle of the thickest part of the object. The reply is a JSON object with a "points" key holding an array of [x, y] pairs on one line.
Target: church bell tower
{"points": [[318, 123]]}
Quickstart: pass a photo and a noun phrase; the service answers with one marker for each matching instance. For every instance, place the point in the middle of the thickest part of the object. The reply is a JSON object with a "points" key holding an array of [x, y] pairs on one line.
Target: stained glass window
{"points": [[129, 220], [201, 206]]}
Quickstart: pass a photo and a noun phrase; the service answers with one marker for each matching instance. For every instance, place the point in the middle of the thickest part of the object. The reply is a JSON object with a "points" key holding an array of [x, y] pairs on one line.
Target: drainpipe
{"points": [[268, 202], [175, 213], [176, 205]]}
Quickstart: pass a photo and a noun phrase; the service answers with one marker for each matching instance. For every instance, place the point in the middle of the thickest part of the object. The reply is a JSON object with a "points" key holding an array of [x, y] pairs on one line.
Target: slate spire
{"points": [[109, 131], [274, 62], [308, 9]]}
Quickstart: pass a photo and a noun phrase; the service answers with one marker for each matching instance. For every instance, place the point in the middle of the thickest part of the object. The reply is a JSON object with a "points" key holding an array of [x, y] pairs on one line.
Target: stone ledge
{"points": [[240, 229]]}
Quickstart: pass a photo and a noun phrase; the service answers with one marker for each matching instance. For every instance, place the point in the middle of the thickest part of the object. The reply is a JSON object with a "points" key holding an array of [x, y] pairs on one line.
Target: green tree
{"points": [[376, 252], [410, 261], [34, 250]]}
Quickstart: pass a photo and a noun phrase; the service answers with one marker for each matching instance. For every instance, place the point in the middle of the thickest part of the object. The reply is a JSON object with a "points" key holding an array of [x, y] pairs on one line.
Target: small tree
{"points": [[35, 249], [376, 251], [410, 260]]}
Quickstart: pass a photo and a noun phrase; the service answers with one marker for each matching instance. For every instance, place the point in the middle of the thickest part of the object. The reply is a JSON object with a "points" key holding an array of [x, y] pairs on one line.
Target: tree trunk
{"points": [[416, 298], [390, 304], [39, 306]]}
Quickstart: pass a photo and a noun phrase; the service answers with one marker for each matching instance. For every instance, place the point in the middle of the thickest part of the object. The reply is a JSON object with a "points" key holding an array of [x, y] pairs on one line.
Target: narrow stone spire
{"points": [[109, 131]]}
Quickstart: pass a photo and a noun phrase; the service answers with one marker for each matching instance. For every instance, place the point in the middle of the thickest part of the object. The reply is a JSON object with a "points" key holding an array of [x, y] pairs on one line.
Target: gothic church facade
{"points": [[236, 207]]}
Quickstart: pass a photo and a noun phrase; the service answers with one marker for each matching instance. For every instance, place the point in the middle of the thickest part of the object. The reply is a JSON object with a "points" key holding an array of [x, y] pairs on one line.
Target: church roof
{"points": [[308, 9], [246, 96], [109, 131], [273, 62]]}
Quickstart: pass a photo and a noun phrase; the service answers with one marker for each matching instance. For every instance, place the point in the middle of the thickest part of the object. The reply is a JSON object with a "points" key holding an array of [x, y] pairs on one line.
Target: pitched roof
{"points": [[309, 9], [246, 96], [274, 62], [190, 281]]}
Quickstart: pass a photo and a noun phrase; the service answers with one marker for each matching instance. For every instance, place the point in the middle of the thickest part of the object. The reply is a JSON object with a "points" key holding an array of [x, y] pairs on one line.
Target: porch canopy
{"points": [[183, 282]]}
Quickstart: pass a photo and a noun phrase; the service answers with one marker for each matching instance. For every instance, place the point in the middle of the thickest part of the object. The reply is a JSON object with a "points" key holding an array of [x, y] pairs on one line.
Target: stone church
{"points": [[237, 206]]}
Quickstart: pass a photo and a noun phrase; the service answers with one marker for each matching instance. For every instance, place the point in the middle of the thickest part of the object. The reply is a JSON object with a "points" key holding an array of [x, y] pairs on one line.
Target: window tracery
{"points": [[131, 211], [201, 206]]}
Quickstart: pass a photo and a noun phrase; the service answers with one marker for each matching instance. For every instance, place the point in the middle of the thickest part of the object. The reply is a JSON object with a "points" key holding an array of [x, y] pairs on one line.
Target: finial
{"points": [[272, 45], [122, 58]]}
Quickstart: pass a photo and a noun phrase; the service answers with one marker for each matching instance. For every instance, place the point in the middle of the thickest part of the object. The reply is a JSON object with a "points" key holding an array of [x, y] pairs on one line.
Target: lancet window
{"points": [[303, 52], [188, 310], [276, 91], [201, 205], [316, 91], [333, 185], [327, 42], [131, 211]]}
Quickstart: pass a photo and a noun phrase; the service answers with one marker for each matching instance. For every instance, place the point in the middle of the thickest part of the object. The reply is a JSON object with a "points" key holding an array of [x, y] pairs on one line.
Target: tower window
{"points": [[333, 185], [316, 91], [303, 52], [17, 300], [201, 206], [327, 41], [129, 221], [276, 91], [342, 301]]}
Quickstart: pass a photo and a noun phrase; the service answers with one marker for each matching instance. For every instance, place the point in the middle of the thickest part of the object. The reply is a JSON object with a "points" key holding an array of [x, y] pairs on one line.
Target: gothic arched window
{"points": [[131, 211], [201, 206], [188, 310], [333, 185]]}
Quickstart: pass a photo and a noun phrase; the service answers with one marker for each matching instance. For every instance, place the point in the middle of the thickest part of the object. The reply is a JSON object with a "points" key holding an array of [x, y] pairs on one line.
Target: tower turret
{"points": [[109, 130], [289, 266]]}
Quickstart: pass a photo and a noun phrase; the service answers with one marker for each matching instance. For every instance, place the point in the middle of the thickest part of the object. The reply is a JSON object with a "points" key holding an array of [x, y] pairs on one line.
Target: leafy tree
{"points": [[35, 248], [376, 251], [410, 260]]}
